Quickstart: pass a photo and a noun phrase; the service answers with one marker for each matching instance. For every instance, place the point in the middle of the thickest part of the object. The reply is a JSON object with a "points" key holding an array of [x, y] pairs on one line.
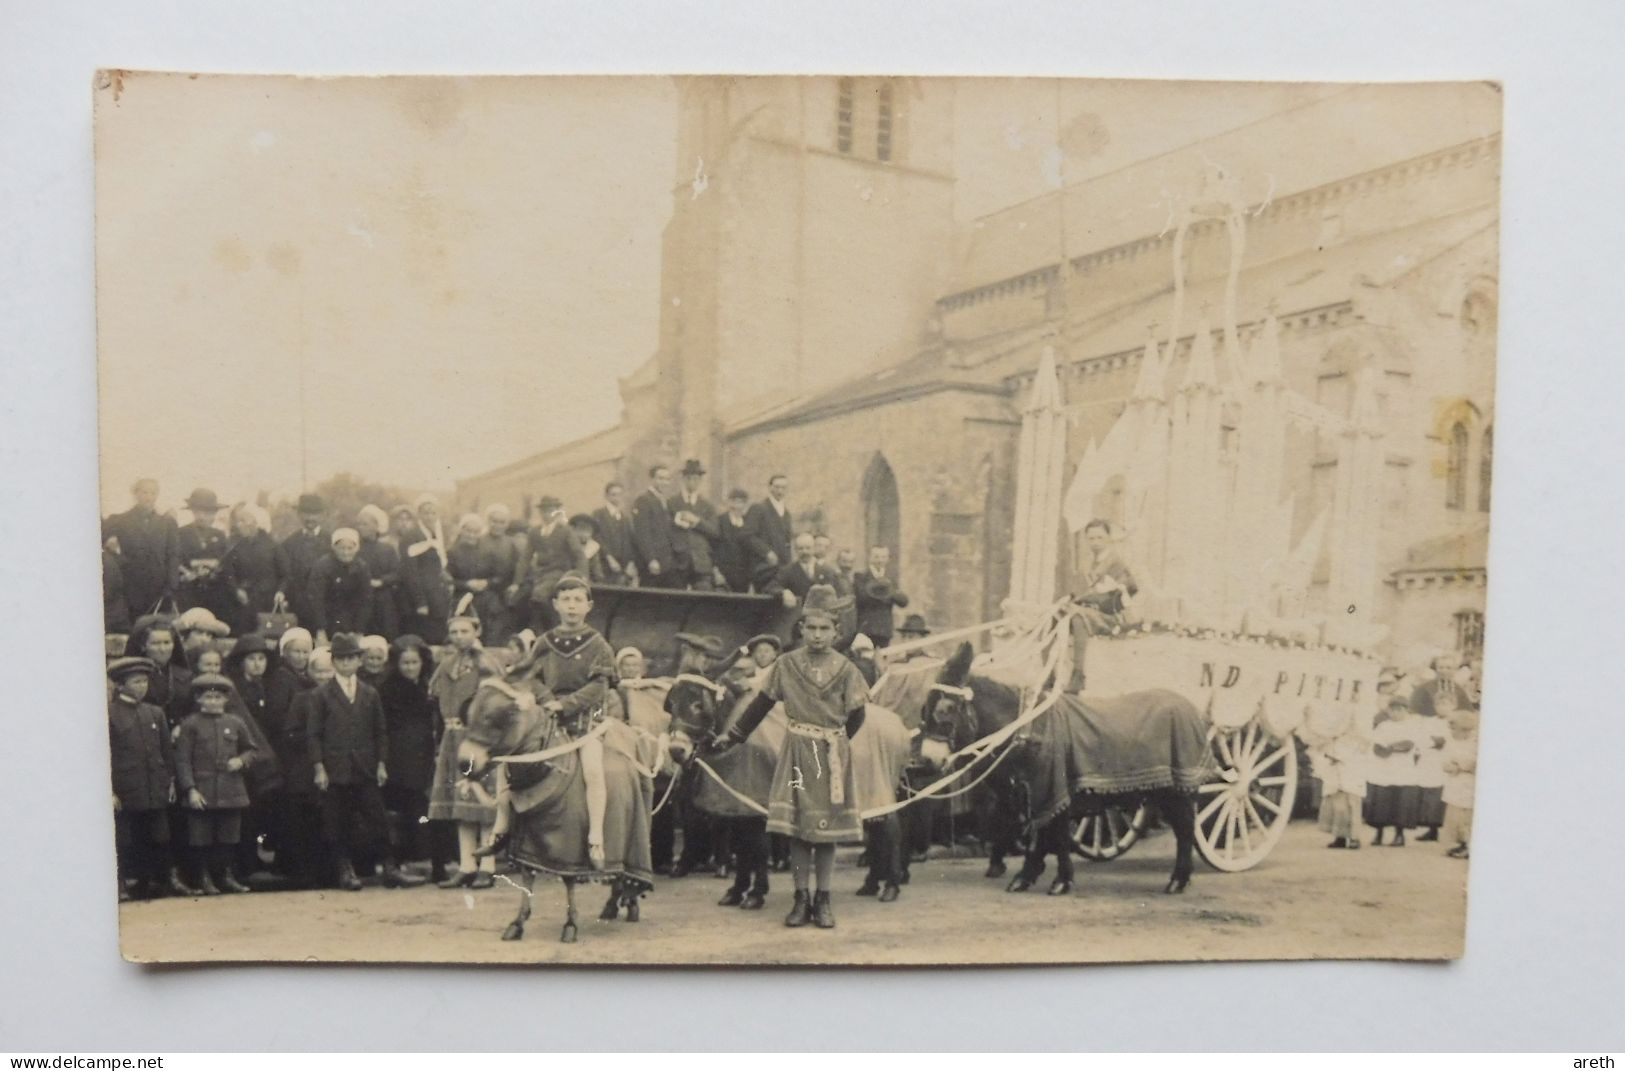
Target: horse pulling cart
{"points": [[1253, 695]]}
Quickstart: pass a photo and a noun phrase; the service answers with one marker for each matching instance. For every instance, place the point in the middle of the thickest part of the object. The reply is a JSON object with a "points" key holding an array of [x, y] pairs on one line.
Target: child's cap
{"points": [[767, 638], [572, 581], [823, 601], [120, 668], [210, 682]]}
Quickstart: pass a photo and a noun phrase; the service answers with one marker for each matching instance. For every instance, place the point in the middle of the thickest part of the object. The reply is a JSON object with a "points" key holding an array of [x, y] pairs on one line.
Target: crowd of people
{"points": [[1415, 769], [289, 711]]}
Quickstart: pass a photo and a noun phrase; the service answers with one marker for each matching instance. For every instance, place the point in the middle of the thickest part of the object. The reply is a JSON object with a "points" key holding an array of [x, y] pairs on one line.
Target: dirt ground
{"points": [[1304, 901]]}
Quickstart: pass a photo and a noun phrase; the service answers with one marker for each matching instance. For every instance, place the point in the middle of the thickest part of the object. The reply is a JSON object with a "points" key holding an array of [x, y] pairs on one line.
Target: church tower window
{"points": [[883, 124], [1456, 469], [1486, 447], [843, 115]]}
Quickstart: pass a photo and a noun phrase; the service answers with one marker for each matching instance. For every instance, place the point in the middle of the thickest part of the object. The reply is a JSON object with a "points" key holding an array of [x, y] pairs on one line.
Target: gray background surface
{"points": [[1543, 968]]}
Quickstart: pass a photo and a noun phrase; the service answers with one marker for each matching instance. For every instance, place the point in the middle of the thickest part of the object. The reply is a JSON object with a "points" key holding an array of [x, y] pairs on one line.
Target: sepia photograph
{"points": [[793, 520]]}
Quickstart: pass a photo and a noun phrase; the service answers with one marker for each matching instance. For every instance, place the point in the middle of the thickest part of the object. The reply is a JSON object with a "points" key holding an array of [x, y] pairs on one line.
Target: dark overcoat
{"points": [[340, 595], [615, 536], [149, 553], [254, 568], [299, 553], [875, 615], [770, 531], [143, 760], [205, 744], [410, 713], [383, 563], [348, 739], [732, 552], [693, 545], [653, 538]]}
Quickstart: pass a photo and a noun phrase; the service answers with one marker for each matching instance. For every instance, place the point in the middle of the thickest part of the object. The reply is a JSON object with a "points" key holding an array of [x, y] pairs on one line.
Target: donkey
{"points": [[549, 823], [1044, 768]]}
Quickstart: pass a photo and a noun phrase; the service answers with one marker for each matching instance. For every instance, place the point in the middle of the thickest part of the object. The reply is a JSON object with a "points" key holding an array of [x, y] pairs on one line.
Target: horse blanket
{"points": [[1122, 745], [550, 817]]}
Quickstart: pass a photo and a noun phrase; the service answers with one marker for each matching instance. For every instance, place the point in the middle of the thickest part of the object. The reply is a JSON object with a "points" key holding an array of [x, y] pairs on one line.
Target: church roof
{"points": [[926, 372], [1315, 144], [1305, 281], [607, 445], [1462, 552]]}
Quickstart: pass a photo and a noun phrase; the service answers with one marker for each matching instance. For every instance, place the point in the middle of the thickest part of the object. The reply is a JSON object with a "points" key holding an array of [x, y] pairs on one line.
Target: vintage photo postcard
{"points": [[793, 520]]}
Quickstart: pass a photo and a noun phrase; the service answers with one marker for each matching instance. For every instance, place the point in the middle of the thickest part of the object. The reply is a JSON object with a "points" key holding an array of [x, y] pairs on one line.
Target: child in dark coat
{"points": [[210, 752], [143, 782]]}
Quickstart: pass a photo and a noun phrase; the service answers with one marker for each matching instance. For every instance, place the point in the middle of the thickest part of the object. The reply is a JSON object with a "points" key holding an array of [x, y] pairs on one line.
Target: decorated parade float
{"points": [[1225, 614]]}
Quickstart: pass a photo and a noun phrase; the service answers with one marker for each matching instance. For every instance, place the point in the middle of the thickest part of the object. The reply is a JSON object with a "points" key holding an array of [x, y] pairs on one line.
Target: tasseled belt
{"points": [[837, 765]]}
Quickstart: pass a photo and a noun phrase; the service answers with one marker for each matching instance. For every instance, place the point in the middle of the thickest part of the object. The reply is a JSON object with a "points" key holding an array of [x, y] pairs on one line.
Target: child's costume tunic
{"points": [[576, 668], [813, 797], [452, 797]]}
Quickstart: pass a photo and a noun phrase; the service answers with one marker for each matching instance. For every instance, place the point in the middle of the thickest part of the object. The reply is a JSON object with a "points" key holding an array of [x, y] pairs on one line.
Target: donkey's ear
{"points": [[958, 667]]}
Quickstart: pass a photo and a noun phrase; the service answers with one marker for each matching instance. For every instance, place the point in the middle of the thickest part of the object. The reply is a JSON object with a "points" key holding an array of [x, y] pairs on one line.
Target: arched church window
{"points": [[1456, 469], [1486, 448], [883, 123], [881, 510], [843, 114]]}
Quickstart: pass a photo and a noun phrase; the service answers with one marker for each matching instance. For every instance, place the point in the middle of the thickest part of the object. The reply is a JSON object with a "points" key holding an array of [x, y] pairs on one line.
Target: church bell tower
{"points": [[809, 237]]}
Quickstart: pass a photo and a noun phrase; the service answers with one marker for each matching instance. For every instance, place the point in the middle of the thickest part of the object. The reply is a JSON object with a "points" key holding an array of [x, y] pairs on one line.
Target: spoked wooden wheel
{"points": [[1243, 812], [1110, 832]]}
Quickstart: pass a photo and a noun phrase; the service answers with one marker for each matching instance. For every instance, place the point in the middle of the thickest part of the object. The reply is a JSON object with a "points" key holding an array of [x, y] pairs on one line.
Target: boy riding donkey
{"points": [[570, 672], [813, 798]]}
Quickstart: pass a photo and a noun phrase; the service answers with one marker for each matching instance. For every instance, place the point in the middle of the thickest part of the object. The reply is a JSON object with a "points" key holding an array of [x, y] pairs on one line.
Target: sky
{"points": [[403, 260]]}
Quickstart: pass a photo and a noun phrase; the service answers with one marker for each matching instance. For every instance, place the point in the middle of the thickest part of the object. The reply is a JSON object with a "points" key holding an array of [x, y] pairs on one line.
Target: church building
{"points": [[825, 315]]}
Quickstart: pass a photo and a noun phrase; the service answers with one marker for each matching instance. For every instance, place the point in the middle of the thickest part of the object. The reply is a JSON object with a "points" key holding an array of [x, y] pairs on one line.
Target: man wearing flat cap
{"points": [[143, 782], [299, 554], [694, 519]]}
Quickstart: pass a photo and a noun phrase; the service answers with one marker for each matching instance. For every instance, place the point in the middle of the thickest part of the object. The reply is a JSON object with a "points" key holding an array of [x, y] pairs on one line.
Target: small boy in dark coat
{"points": [[210, 752], [143, 782], [349, 745]]}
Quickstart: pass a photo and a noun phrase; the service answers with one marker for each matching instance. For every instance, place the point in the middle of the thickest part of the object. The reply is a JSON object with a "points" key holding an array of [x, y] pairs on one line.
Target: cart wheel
{"points": [[1243, 812], [1109, 833]]}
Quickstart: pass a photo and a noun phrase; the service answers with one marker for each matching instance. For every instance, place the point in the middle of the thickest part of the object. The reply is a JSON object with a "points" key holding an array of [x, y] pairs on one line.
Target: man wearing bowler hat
{"points": [[299, 554], [695, 521], [202, 548]]}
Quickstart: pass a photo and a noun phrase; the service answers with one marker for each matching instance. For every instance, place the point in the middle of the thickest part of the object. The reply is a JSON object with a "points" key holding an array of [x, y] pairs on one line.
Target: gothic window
{"points": [[1456, 469], [1485, 450], [883, 124], [1470, 632], [882, 511], [843, 116]]}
